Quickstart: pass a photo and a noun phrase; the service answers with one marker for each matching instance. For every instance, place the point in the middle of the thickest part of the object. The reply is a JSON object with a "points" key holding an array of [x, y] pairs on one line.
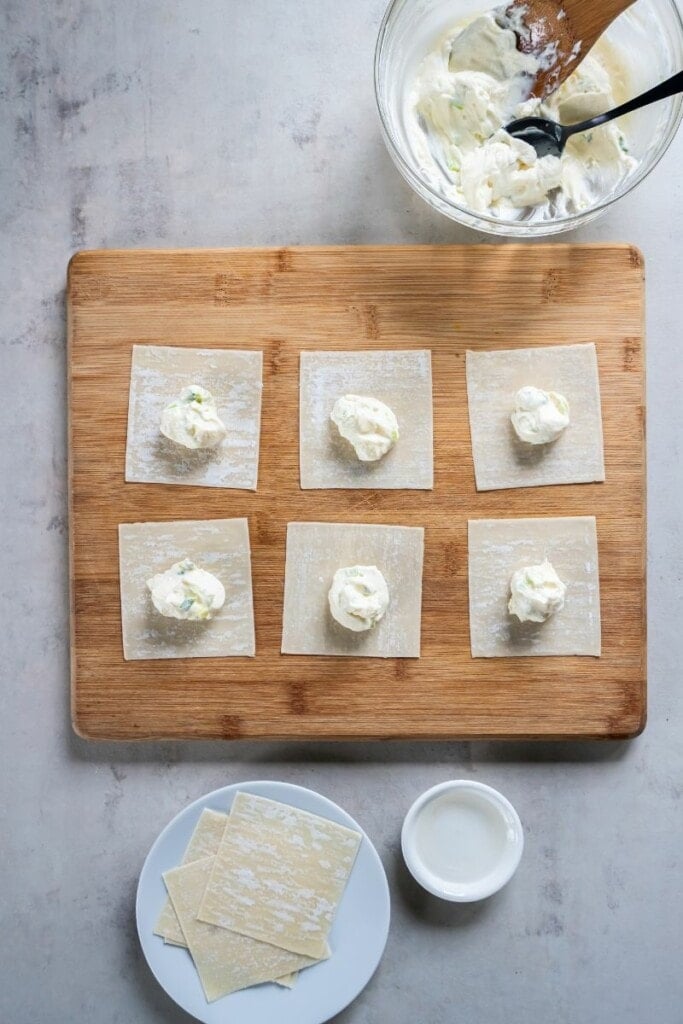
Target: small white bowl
{"points": [[462, 841]]}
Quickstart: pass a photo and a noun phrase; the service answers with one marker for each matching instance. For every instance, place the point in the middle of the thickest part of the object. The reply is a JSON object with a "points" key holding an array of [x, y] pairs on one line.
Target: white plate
{"points": [[358, 936]]}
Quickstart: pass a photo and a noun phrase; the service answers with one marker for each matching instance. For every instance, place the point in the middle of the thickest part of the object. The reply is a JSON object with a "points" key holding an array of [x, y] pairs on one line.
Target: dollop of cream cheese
{"points": [[186, 592], [192, 420], [359, 597], [539, 417], [367, 424], [508, 170], [536, 593], [473, 83]]}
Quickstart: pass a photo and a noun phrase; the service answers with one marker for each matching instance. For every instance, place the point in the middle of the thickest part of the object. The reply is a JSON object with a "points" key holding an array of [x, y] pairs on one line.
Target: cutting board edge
{"points": [[632, 727], [84, 256]]}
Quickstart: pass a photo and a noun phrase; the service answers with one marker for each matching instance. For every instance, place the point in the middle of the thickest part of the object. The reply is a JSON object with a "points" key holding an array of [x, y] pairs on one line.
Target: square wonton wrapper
{"points": [[158, 375], [497, 548], [279, 874], [204, 842], [314, 553], [501, 460], [225, 961], [221, 546], [403, 381]]}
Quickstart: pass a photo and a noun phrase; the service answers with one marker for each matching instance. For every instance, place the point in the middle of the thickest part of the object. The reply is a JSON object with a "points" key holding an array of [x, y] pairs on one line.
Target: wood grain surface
{"points": [[447, 299]]}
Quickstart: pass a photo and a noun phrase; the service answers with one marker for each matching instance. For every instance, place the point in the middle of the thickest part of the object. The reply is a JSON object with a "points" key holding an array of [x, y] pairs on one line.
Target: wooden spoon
{"points": [[559, 33]]}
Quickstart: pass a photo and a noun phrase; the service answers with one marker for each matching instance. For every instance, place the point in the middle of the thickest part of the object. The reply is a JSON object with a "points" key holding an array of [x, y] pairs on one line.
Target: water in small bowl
{"points": [[460, 837], [462, 840]]}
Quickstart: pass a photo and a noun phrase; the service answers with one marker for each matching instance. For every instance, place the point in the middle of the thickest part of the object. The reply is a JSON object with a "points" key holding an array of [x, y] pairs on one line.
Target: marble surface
{"points": [[169, 123]]}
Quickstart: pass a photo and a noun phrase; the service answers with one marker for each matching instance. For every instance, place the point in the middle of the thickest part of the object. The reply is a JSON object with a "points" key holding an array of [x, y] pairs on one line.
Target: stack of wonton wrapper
{"points": [[255, 896]]}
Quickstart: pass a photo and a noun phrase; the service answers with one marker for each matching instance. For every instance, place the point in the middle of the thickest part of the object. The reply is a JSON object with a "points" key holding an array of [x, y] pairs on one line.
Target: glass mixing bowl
{"points": [[650, 35]]}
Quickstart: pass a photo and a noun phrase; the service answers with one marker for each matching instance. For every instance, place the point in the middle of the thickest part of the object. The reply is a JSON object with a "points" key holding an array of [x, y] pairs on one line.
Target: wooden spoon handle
{"points": [[590, 19], [567, 29]]}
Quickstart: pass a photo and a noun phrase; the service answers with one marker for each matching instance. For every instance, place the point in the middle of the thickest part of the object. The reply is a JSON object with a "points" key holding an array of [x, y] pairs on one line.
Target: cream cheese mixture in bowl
{"points": [[448, 77]]}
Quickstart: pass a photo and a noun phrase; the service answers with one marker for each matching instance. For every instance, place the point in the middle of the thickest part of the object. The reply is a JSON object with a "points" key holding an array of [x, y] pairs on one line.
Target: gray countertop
{"points": [[170, 123]]}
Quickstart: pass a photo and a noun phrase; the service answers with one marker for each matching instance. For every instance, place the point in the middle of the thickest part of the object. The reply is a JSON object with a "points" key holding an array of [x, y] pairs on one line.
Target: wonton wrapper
{"points": [[501, 460], [225, 961], [403, 381], [204, 842], [279, 875], [221, 546], [158, 375], [497, 548], [314, 553]]}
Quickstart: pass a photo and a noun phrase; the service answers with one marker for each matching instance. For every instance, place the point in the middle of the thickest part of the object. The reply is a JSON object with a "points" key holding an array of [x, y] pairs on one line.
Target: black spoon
{"points": [[549, 138]]}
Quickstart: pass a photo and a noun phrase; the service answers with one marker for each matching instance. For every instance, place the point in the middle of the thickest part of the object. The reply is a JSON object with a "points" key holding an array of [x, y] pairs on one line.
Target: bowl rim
{"points": [[473, 892], [500, 225]]}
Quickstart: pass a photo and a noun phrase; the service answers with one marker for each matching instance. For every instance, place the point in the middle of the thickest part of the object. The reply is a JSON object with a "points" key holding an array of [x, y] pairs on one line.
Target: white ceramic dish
{"points": [[358, 936], [462, 841]]}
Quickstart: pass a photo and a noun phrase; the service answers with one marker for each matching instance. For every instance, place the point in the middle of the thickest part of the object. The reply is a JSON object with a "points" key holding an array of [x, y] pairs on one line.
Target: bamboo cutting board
{"points": [[447, 299]]}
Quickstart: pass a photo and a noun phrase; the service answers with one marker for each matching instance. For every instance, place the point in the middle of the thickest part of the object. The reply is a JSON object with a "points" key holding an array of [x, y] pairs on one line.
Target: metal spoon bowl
{"points": [[549, 137]]}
